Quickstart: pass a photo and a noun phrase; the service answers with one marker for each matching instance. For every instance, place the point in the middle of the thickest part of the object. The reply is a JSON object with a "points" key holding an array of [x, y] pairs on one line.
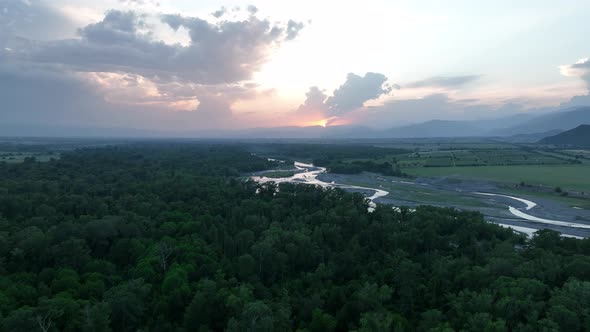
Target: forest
{"points": [[174, 237]]}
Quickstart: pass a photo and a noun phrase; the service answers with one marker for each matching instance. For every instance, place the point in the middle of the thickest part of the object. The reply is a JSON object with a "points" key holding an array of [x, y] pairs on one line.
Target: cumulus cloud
{"points": [[293, 29], [444, 81], [350, 96], [226, 52], [314, 104], [356, 91], [252, 9], [220, 12], [579, 69], [118, 65]]}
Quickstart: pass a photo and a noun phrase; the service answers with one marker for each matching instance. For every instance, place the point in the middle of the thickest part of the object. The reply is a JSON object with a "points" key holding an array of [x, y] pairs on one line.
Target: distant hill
{"points": [[529, 138], [435, 128], [526, 127], [457, 128], [579, 136], [559, 120]]}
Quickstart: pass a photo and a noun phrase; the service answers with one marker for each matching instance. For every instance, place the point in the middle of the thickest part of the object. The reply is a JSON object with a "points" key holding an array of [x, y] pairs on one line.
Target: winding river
{"points": [[308, 174], [529, 205]]}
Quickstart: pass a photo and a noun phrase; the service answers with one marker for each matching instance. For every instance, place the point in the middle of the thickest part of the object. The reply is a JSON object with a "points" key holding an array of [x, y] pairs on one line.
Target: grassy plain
{"points": [[572, 177]]}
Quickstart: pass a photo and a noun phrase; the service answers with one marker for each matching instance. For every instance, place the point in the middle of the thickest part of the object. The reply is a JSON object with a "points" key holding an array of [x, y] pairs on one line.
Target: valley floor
{"points": [[462, 194]]}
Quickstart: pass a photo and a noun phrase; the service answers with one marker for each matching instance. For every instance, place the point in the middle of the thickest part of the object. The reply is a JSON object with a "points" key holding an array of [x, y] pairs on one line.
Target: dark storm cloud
{"points": [[444, 81], [356, 91]]}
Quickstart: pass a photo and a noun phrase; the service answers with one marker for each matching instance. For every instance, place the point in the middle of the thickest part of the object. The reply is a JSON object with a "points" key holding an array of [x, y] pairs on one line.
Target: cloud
{"points": [[224, 52], [33, 19], [46, 96], [579, 69], [116, 70], [318, 107], [293, 29], [444, 81], [252, 9], [219, 13], [117, 28], [314, 104], [356, 91], [140, 2], [576, 101]]}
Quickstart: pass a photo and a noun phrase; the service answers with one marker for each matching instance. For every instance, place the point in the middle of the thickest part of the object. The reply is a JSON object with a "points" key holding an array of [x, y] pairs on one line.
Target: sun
{"points": [[321, 123]]}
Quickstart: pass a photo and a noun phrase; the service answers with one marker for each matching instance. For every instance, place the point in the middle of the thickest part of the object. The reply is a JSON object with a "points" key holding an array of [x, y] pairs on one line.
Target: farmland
{"points": [[575, 177], [482, 157]]}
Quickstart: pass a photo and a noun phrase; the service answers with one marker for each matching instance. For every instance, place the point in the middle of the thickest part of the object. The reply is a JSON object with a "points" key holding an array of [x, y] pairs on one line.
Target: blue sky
{"points": [[173, 65]]}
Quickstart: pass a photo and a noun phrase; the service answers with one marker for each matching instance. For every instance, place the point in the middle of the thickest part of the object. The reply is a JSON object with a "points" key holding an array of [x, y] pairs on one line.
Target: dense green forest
{"points": [[171, 237], [332, 152], [358, 166]]}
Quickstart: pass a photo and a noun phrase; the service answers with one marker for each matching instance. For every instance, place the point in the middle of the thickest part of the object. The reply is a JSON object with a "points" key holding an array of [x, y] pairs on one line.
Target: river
{"points": [[308, 173]]}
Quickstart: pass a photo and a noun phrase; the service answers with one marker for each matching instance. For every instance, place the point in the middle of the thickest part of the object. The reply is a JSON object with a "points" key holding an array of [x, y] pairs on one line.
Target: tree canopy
{"points": [[171, 237]]}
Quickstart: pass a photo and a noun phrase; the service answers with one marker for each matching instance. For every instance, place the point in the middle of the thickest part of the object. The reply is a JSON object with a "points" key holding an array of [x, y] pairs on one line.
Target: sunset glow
{"points": [[136, 64]]}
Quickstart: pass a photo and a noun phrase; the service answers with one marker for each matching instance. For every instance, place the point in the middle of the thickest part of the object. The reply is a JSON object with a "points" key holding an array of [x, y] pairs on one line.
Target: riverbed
{"points": [[505, 210]]}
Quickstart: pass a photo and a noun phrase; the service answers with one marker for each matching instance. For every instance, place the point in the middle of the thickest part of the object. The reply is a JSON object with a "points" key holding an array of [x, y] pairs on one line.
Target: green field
{"points": [[487, 157], [569, 177], [571, 201]]}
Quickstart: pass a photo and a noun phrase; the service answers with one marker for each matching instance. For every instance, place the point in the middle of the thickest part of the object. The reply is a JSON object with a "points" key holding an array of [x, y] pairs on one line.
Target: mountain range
{"points": [[521, 127], [579, 136]]}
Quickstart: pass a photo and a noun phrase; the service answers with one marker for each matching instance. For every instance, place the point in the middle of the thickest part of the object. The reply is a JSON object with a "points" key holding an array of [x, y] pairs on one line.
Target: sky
{"points": [[190, 66]]}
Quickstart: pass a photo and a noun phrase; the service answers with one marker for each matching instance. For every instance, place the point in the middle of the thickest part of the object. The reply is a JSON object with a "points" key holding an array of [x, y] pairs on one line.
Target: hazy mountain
{"points": [[521, 127], [448, 128], [435, 128], [559, 120], [530, 138], [579, 136]]}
